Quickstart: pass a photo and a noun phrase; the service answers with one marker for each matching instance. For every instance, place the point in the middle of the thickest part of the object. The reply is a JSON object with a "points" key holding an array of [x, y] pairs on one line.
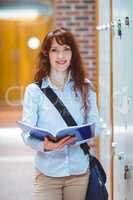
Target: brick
{"points": [[82, 29], [76, 13], [79, 17], [82, 18], [88, 1], [81, 7], [64, 7], [92, 57], [63, 19], [84, 52], [72, 1], [83, 41], [88, 12], [73, 23], [59, 13], [89, 24]]}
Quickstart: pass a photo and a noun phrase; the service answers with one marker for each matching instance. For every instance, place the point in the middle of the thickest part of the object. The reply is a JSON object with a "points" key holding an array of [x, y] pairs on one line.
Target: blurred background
{"points": [[104, 30]]}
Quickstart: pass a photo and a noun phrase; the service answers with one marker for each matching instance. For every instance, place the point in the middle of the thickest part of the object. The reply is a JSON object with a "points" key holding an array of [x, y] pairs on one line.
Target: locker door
{"points": [[129, 138], [104, 88], [121, 89], [119, 83]]}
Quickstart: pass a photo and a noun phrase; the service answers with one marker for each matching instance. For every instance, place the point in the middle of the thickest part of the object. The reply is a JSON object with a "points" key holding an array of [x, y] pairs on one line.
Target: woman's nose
{"points": [[60, 54]]}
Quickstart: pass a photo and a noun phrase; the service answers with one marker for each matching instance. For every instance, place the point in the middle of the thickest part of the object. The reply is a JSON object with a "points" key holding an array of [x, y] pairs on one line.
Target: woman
{"points": [[61, 168]]}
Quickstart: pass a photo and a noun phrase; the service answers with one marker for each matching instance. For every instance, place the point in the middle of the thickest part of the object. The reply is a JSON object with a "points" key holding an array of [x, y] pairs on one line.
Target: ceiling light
{"points": [[18, 14], [33, 43]]}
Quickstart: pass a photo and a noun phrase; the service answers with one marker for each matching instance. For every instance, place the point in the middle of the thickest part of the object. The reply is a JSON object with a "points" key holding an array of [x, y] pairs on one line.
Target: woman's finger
{"points": [[63, 140], [49, 145], [68, 141]]}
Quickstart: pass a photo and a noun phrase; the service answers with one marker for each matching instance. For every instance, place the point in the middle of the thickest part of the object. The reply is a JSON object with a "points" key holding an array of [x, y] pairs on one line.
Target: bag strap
{"points": [[63, 111], [56, 101]]}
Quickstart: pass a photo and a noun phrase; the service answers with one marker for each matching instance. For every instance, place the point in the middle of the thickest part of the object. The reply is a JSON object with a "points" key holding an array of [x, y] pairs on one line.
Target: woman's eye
{"points": [[67, 49], [53, 50]]}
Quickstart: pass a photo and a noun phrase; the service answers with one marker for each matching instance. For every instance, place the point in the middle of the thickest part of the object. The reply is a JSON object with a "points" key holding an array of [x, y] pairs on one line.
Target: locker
{"points": [[115, 30], [104, 86]]}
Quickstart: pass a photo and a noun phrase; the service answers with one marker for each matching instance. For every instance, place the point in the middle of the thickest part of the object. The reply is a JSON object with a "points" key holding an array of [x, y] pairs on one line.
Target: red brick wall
{"points": [[79, 17]]}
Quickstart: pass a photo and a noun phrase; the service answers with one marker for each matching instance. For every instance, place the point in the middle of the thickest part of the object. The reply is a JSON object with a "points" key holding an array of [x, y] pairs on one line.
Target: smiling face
{"points": [[60, 57]]}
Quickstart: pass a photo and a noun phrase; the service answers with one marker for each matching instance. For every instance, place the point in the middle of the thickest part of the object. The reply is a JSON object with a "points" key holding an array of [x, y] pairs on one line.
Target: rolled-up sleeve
{"points": [[30, 116]]}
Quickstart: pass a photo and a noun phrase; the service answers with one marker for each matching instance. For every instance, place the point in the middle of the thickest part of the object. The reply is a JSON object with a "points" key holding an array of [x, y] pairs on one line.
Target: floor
{"points": [[16, 159]]}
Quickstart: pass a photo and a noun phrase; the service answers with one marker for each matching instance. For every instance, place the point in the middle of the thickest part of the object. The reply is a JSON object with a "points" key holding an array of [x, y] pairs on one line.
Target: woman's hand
{"points": [[50, 145]]}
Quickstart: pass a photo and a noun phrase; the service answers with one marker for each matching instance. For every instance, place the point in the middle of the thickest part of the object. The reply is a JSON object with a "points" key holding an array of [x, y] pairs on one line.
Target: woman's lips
{"points": [[61, 62]]}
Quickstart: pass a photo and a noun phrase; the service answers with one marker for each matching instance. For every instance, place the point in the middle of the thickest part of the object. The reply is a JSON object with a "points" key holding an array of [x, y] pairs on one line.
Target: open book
{"points": [[82, 132]]}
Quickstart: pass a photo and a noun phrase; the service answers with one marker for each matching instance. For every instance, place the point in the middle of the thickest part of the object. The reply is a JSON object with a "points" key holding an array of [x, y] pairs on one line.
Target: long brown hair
{"points": [[78, 71]]}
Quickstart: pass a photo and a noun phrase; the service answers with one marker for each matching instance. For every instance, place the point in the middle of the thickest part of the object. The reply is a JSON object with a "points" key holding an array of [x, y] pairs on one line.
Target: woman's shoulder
{"points": [[32, 88]]}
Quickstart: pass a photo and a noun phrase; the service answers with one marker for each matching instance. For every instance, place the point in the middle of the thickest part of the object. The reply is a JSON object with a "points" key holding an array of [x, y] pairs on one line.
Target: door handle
{"points": [[126, 172], [121, 156]]}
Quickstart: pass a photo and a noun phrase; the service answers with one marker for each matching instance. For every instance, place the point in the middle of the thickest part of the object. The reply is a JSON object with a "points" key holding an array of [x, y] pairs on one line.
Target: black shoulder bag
{"points": [[96, 189]]}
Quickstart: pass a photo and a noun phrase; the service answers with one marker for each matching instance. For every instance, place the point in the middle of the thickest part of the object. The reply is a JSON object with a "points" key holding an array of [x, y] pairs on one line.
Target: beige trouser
{"points": [[60, 188]]}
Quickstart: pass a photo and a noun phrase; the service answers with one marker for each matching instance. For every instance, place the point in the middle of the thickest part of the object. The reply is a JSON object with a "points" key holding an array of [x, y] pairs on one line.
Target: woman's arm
{"points": [[93, 115], [30, 116]]}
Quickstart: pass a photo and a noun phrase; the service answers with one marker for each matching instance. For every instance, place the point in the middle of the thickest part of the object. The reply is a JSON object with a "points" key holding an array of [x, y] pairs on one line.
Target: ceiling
{"points": [[43, 6], [6, 2]]}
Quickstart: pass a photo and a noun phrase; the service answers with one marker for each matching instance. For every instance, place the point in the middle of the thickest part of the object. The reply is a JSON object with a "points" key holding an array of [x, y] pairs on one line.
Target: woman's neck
{"points": [[59, 79]]}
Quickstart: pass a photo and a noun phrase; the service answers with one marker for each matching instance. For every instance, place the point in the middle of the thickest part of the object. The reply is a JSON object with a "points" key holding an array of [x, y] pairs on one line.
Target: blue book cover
{"points": [[82, 132]]}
